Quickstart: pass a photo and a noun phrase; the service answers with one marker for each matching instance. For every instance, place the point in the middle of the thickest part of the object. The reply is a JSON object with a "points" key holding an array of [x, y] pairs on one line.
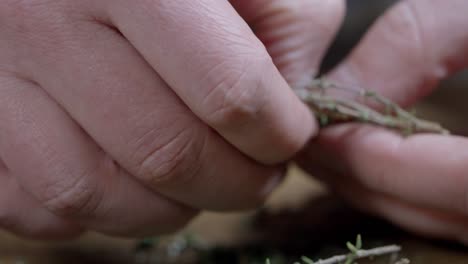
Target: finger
{"points": [[69, 175], [216, 65], [403, 56], [426, 170], [416, 44], [22, 215], [295, 33], [422, 220], [132, 114]]}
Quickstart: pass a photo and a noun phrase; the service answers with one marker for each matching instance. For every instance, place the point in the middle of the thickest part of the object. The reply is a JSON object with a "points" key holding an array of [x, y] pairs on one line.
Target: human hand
{"points": [[419, 182], [126, 117]]}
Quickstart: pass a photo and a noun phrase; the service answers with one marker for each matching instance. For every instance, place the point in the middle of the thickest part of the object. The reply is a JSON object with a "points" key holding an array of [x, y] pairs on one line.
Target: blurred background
{"points": [[300, 219]]}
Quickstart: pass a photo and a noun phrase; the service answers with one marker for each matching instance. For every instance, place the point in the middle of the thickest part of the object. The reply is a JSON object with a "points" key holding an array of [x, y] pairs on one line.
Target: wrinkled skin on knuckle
{"points": [[169, 159], [71, 194], [237, 97]]}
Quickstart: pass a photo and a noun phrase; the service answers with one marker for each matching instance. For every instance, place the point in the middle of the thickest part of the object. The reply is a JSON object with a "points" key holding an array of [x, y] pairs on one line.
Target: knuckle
{"points": [[73, 194], [236, 96], [168, 159]]}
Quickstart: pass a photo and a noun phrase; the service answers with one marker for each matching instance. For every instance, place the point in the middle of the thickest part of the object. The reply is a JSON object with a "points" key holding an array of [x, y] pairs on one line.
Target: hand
{"points": [[127, 117], [419, 182]]}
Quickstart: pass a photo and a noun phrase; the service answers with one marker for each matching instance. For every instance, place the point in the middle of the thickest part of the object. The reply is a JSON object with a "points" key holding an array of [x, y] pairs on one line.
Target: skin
{"points": [[419, 182], [128, 117]]}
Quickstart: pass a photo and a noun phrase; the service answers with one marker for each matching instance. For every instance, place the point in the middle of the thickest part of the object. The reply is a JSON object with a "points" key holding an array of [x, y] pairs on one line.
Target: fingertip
{"points": [[293, 123], [303, 126]]}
